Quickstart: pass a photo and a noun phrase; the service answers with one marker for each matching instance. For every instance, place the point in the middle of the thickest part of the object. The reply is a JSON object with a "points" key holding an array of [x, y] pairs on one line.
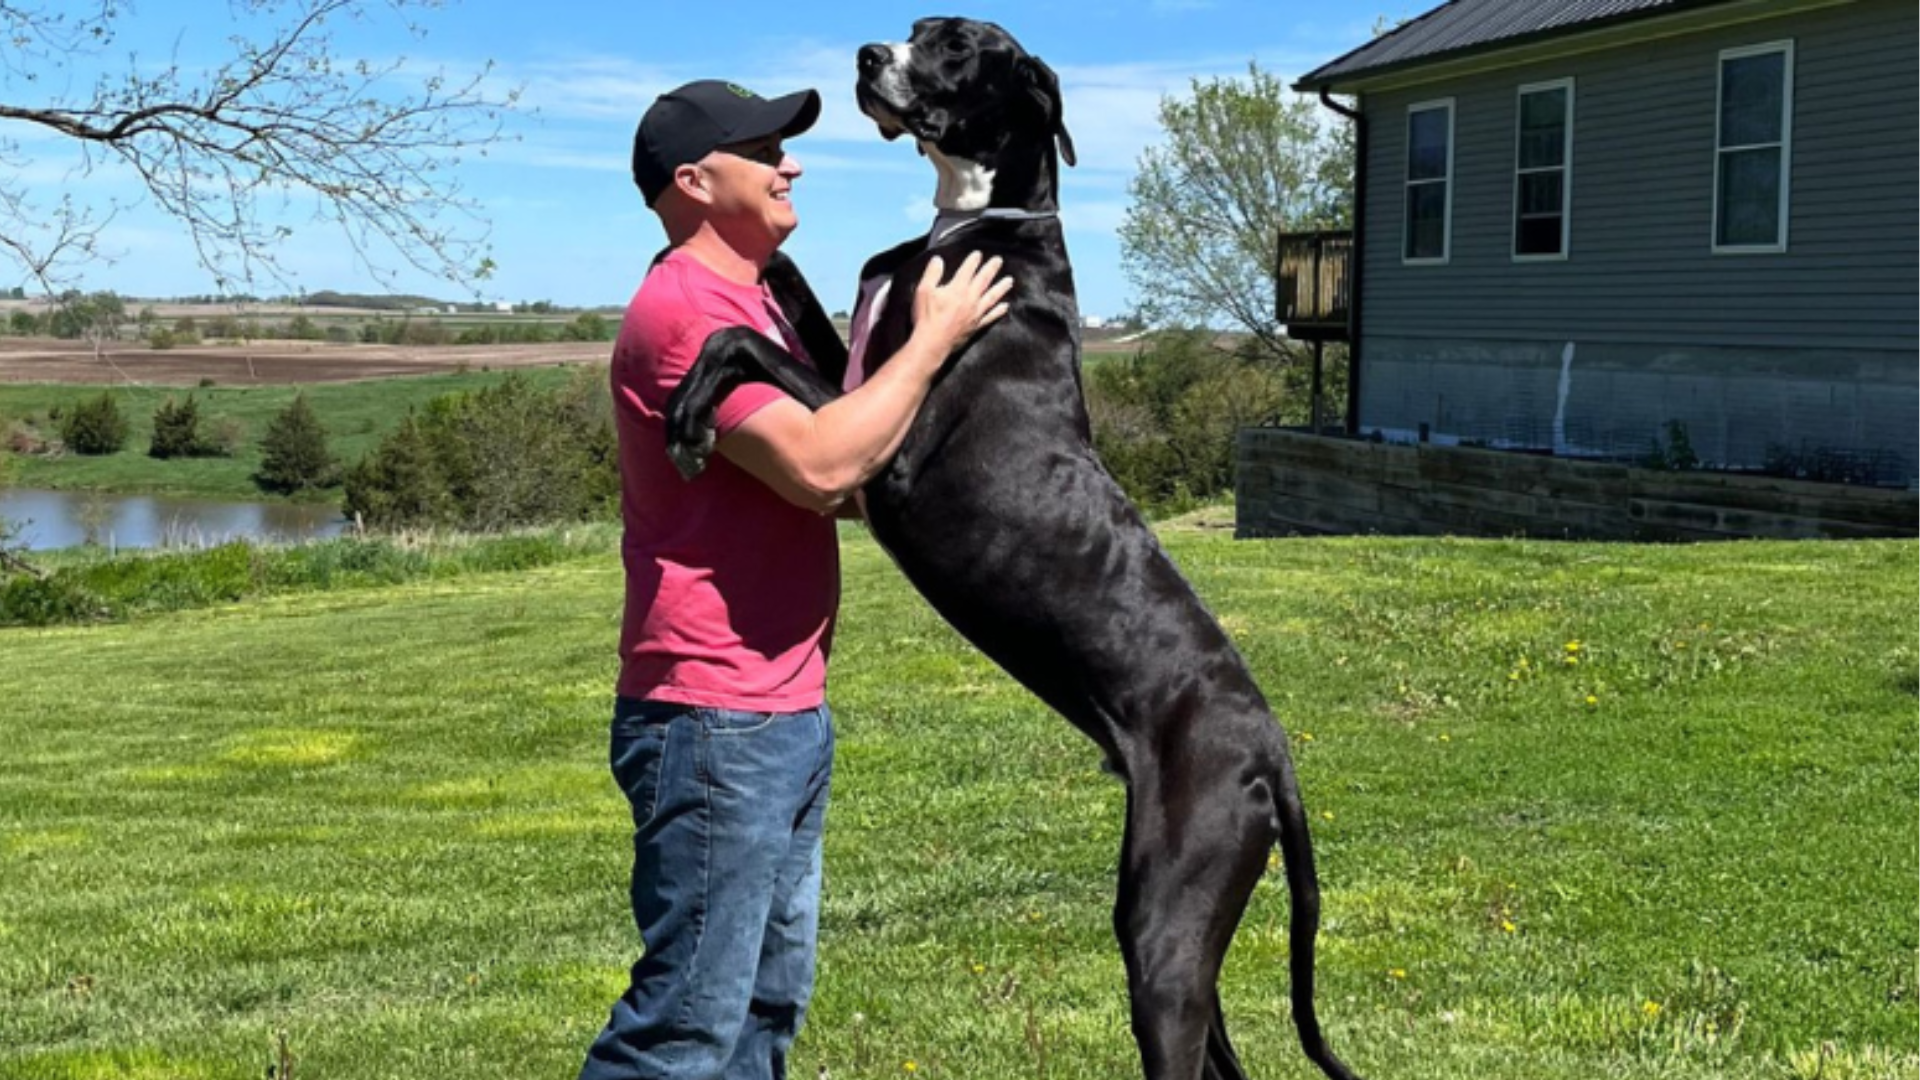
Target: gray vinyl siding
{"points": [[1640, 265]]}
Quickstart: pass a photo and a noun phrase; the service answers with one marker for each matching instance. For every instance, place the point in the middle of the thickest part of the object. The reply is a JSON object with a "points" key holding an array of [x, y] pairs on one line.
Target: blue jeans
{"points": [[728, 809]]}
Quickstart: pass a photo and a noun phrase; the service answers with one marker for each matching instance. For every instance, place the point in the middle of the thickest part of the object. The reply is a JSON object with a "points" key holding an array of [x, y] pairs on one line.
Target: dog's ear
{"points": [[1044, 85]]}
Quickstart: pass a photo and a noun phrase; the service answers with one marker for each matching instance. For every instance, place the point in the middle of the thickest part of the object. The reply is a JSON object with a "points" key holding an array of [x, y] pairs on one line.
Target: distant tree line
{"points": [[103, 316]]}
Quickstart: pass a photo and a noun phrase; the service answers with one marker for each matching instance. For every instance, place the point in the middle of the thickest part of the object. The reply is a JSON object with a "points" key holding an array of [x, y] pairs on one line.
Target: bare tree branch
{"points": [[287, 124]]}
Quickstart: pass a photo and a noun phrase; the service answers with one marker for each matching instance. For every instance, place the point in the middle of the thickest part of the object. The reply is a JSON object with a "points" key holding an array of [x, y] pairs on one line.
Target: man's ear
{"points": [[691, 180], [1044, 86]]}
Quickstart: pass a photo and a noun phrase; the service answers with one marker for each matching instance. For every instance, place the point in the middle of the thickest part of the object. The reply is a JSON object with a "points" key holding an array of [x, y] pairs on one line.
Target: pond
{"points": [[57, 519]]}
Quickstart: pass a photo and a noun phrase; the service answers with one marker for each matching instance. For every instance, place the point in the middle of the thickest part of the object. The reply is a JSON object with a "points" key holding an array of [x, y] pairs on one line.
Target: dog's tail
{"points": [[1303, 891]]}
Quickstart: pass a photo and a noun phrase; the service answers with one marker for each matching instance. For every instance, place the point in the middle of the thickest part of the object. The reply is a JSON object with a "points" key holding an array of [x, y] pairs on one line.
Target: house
{"points": [[1604, 227]]}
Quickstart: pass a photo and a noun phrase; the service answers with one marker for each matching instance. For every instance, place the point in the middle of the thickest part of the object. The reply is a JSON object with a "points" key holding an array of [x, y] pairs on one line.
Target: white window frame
{"points": [[1786, 146], [1565, 169], [1406, 224]]}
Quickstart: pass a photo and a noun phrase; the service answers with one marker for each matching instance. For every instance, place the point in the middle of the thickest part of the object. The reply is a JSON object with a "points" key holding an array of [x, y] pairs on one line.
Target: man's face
{"points": [[749, 186]]}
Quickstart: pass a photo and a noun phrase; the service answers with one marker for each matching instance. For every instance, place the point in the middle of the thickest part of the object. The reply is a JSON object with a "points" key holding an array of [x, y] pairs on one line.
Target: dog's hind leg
{"points": [[1185, 877], [1222, 1062]]}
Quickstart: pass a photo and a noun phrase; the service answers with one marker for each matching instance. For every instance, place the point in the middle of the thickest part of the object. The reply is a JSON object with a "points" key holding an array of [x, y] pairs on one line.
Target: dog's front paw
{"points": [[689, 439]]}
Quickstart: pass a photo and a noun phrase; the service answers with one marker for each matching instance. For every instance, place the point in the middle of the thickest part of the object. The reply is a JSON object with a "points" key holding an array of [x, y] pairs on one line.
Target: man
{"points": [[721, 736]]}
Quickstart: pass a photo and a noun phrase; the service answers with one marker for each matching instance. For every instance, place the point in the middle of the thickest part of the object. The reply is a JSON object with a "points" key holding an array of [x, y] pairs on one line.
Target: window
{"points": [[1753, 148], [1542, 163], [1429, 181]]}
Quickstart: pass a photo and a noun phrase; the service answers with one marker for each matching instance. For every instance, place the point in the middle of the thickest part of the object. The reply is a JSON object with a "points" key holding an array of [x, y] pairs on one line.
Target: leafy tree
{"points": [[93, 316], [1244, 160], [285, 120], [94, 426], [176, 431], [293, 453]]}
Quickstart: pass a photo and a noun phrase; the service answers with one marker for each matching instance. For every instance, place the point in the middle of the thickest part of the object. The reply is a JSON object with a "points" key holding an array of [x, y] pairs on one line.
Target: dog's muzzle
{"points": [[882, 90]]}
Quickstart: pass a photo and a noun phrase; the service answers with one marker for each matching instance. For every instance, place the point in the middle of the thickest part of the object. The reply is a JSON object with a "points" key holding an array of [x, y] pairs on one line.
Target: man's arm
{"points": [[817, 459]]}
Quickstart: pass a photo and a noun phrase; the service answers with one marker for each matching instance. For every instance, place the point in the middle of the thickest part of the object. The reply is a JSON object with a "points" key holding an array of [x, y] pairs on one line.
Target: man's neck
{"points": [[713, 252]]}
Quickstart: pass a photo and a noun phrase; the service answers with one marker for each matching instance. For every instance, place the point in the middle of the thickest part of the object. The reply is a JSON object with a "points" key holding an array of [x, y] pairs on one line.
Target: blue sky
{"points": [[566, 221]]}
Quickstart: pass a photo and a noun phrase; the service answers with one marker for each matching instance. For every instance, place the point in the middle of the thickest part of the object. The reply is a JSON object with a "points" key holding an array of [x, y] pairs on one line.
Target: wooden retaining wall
{"points": [[1291, 482]]}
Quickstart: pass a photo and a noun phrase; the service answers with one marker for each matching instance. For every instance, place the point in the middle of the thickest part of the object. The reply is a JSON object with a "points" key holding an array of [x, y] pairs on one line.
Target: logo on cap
{"points": [[741, 91]]}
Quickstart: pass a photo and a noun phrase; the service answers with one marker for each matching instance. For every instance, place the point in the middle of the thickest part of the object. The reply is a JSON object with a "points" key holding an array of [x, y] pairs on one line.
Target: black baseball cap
{"points": [[682, 126]]}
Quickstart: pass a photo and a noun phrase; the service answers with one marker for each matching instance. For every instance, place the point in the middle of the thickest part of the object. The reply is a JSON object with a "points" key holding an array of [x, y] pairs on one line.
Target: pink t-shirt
{"points": [[731, 590]]}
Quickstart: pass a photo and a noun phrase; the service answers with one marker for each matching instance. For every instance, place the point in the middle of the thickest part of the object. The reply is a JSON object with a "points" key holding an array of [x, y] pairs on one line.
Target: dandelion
{"points": [[979, 969], [1398, 973], [1273, 861], [1523, 662], [1573, 646], [910, 1067], [1306, 736], [1507, 925], [1651, 1009], [1444, 737], [1591, 700], [1328, 814]]}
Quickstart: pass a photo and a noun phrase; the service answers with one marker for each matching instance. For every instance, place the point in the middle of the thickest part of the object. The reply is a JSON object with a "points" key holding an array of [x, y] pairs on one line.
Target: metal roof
{"points": [[1469, 26]]}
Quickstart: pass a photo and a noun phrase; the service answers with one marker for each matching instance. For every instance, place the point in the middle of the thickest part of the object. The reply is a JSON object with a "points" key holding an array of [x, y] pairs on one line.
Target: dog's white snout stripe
{"points": [[892, 82]]}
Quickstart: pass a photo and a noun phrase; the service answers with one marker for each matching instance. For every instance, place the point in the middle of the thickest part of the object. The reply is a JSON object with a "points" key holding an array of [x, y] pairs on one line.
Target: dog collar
{"points": [[948, 222]]}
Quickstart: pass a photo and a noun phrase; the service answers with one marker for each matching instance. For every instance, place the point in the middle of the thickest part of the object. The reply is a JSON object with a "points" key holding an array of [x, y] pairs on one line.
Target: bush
{"points": [[229, 436], [586, 327], [24, 324], [293, 453], [133, 583], [176, 431], [159, 337], [1164, 419], [492, 459], [20, 437], [94, 426], [399, 485], [1675, 453]]}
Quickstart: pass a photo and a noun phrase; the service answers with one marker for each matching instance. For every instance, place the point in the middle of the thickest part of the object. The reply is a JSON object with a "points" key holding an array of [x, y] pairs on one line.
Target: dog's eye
{"points": [[957, 47]]}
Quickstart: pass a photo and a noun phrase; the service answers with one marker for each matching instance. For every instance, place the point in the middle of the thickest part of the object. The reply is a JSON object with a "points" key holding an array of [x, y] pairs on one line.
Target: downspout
{"points": [[1359, 255]]}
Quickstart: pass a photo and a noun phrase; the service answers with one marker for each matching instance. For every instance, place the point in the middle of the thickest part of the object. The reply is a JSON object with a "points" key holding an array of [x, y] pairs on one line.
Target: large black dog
{"points": [[998, 511]]}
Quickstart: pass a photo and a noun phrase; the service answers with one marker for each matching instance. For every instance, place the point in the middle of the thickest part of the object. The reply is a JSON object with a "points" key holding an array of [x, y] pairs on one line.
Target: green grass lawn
{"points": [[1583, 811], [356, 415]]}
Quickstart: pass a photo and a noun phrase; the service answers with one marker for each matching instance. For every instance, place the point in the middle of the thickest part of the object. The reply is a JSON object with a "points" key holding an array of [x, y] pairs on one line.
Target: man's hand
{"points": [[951, 313]]}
